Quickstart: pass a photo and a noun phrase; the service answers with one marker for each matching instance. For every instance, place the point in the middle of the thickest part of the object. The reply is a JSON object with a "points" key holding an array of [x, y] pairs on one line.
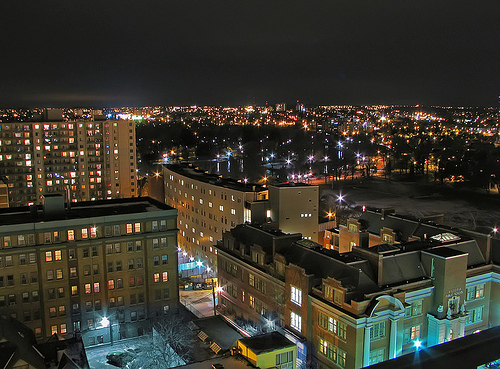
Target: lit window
{"points": [[87, 288], [156, 277], [53, 329], [377, 331], [48, 255], [296, 321], [221, 207], [57, 255], [111, 284], [63, 328], [85, 233], [475, 315], [137, 227], [129, 228], [96, 287], [71, 235], [296, 295], [164, 277], [93, 232]]}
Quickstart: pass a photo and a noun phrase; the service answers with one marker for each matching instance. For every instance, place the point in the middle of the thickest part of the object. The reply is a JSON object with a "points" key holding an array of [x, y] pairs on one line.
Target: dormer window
{"points": [[257, 257], [353, 228], [387, 238], [280, 268], [338, 296], [328, 292]]}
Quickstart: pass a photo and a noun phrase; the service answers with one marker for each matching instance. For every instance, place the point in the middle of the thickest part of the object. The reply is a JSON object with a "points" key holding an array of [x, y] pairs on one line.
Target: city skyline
{"points": [[131, 53]]}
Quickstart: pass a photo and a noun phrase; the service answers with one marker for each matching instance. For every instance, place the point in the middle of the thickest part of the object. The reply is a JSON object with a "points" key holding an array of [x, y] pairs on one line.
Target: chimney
{"points": [[387, 211], [33, 211], [53, 206]]}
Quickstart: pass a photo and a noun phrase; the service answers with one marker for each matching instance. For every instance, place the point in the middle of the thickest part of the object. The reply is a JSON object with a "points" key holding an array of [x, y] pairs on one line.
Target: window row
{"points": [[257, 283], [332, 324], [475, 292], [23, 259], [85, 233], [55, 311], [26, 297], [332, 352]]}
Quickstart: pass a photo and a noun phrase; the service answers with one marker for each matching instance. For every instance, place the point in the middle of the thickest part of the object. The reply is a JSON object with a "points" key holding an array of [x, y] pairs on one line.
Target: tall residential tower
{"points": [[85, 160]]}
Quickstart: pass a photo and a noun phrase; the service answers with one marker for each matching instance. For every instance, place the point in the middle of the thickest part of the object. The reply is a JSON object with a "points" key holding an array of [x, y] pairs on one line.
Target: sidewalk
{"points": [[199, 302]]}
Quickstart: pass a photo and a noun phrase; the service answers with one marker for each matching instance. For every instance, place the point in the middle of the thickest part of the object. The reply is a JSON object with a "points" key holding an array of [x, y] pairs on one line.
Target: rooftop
{"points": [[188, 170], [84, 209], [267, 342], [218, 331]]}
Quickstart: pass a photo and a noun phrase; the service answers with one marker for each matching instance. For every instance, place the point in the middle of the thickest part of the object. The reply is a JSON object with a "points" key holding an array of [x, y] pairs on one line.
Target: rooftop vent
{"points": [[53, 206]]}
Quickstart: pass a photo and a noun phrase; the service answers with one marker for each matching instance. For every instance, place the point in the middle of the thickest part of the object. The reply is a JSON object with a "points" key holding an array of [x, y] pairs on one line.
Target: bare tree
{"points": [[169, 345]]}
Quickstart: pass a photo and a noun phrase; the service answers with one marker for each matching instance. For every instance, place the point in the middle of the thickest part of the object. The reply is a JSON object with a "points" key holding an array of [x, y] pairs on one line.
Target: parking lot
{"points": [[96, 355]]}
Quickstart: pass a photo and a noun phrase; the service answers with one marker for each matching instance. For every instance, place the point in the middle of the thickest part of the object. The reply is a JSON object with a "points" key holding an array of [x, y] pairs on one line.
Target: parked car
{"points": [[120, 359]]}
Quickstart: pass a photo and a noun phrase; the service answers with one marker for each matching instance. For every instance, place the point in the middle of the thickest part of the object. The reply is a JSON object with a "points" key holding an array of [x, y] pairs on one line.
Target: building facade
{"points": [[103, 268], [86, 160], [208, 205], [370, 304], [294, 207]]}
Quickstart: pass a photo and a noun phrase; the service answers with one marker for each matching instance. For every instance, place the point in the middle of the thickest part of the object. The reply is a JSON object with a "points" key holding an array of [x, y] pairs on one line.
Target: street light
{"points": [[418, 344], [105, 322], [217, 289]]}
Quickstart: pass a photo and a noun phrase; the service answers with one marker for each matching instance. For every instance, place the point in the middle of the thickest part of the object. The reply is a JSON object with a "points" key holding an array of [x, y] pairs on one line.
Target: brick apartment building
{"points": [[367, 305], [63, 270], [210, 205]]}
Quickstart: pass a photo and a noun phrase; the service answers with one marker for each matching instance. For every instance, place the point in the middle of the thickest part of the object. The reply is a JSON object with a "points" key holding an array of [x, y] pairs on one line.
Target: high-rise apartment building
{"points": [[103, 268], [86, 160]]}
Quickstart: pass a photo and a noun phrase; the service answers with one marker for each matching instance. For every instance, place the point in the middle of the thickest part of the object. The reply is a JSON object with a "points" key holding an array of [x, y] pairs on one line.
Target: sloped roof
{"points": [[354, 273], [404, 227], [402, 267], [471, 247], [20, 344]]}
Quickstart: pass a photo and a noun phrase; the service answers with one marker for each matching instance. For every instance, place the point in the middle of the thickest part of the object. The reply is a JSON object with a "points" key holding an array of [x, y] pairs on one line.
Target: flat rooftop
{"points": [[293, 184], [188, 170], [229, 362], [267, 342], [445, 252], [84, 209]]}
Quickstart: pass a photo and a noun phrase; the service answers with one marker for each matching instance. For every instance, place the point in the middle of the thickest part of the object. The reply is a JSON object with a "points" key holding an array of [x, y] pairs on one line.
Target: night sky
{"points": [[183, 52]]}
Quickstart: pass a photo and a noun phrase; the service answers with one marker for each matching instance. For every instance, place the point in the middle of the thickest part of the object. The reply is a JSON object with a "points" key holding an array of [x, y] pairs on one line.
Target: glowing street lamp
{"points": [[418, 344], [217, 289], [105, 322]]}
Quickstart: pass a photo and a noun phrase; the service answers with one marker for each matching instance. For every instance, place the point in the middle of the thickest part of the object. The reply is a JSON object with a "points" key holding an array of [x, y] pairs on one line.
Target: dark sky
{"points": [[180, 52]]}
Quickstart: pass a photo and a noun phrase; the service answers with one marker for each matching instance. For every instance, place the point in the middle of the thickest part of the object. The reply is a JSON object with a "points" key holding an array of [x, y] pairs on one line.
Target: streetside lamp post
{"points": [[105, 322], [214, 289]]}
